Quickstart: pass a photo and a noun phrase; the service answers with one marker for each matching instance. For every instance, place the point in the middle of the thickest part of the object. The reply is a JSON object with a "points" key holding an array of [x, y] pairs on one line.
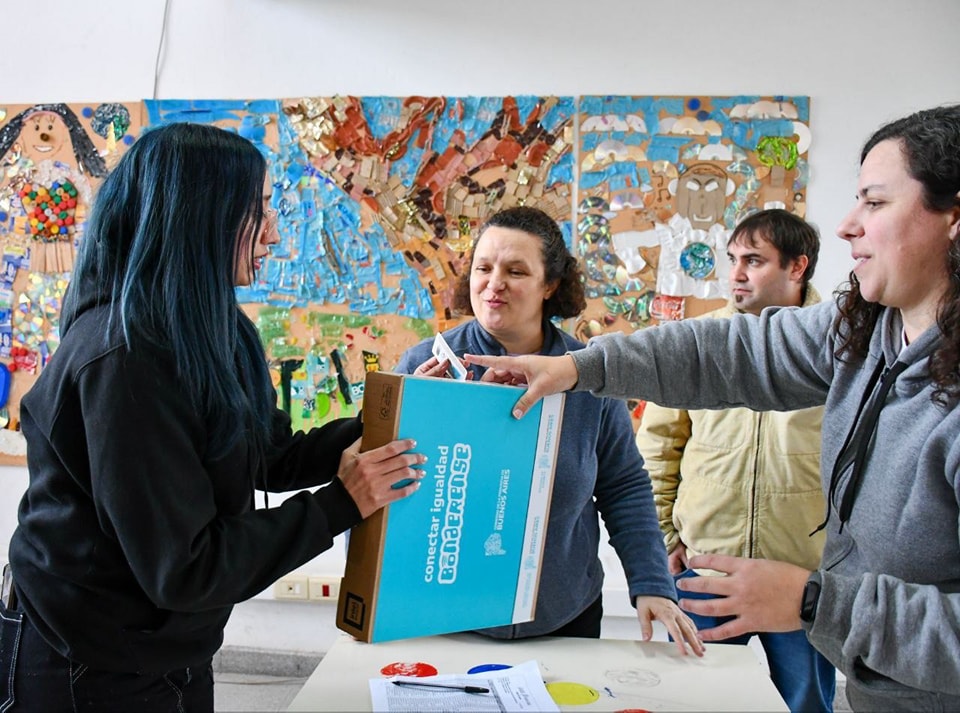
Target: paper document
{"points": [[443, 352], [519, 688]]}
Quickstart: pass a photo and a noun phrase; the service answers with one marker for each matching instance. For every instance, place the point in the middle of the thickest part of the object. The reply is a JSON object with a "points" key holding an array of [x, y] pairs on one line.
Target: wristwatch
{"points": [[810, 598]]}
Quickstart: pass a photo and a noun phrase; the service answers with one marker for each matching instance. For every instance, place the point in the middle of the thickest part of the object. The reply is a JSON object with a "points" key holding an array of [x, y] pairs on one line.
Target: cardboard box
{"points": [[463, 552]]}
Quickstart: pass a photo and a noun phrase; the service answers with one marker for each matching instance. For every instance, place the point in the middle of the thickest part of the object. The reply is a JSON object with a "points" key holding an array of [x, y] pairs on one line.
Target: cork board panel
{"points": [[378, 202], [663, 180], [379, 199]]}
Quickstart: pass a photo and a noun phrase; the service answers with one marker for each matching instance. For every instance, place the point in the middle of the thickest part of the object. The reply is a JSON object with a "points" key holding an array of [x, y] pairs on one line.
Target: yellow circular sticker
{"points": [[565, 693]]}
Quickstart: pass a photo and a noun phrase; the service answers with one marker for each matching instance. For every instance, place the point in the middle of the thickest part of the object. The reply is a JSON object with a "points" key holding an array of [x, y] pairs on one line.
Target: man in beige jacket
{"points": [[747, 483]]}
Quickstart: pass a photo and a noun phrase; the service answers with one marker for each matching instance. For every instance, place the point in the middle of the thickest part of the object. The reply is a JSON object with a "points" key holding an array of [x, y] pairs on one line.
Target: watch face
{"points": [[808, 603]]}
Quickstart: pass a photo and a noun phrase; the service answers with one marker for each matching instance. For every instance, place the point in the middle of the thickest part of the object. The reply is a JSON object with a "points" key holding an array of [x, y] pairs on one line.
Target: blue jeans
{"points": [[34, 677], [805, 679]]}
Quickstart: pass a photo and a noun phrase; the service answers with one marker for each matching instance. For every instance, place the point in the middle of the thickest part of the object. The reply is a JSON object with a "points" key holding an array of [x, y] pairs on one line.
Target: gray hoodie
{"points": [[889, 612]]}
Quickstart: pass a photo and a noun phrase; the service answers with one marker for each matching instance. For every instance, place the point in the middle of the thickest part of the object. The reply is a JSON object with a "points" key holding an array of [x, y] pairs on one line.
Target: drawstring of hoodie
{"points": [[854, 450]]}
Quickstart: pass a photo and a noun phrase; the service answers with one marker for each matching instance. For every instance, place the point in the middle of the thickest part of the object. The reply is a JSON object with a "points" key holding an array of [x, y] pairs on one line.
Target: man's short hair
{"points": [[790, 234]]}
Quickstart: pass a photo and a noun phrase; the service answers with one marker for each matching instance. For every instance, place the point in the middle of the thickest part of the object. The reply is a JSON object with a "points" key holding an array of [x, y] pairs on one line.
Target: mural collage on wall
{"points": [[379, 200]]}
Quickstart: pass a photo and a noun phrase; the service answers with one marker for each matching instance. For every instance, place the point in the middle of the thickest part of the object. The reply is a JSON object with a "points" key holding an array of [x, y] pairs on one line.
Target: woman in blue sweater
{"points": [[521, 276]]}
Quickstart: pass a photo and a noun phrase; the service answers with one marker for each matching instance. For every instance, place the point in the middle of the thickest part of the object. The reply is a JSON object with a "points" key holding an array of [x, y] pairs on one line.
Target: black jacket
{"points": [[133, 544]]}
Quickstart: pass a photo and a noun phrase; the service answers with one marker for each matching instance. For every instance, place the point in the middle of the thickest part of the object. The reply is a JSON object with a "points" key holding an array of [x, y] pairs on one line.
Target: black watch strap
{"points": [[810, 598]]}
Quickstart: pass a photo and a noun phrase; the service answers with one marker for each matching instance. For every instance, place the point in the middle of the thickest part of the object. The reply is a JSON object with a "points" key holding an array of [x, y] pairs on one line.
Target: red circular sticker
{"points": [[404, 668]]}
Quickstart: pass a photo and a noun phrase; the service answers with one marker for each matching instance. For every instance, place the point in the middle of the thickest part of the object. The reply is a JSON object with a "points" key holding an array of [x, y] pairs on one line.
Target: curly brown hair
{"points": [[930, 143], [559, 265]]}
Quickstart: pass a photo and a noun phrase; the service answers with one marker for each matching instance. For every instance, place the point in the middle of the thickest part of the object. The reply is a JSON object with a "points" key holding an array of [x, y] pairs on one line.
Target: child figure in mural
{"points": [[49, 157]]}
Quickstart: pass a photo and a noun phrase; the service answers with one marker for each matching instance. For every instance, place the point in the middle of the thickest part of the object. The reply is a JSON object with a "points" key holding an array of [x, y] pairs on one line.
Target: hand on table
{"points": [[678, 624]]}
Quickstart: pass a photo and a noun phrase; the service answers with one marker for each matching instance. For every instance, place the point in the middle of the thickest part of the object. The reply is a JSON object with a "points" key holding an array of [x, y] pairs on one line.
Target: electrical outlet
{"points": [[293, 586], [324, 588]]}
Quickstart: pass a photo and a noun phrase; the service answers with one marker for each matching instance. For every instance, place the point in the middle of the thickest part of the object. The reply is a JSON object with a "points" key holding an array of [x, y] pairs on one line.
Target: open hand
{"points": [[370, 477], [762, 595]]}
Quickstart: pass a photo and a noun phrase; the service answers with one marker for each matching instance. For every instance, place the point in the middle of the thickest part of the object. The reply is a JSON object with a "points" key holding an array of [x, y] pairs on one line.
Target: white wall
{"points": [[862, 62]]}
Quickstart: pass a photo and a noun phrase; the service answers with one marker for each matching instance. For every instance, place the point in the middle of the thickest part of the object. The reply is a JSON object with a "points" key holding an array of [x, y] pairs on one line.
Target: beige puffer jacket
{"points": [[736, 481]]}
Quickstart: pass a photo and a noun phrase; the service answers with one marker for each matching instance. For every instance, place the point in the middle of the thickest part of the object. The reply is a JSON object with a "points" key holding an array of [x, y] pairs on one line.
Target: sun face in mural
{"points": [[44, 137], [702, 195]]}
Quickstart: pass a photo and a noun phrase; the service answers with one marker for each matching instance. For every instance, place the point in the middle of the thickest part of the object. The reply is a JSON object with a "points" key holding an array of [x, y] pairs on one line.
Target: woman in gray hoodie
{"points": [[884, 360]]}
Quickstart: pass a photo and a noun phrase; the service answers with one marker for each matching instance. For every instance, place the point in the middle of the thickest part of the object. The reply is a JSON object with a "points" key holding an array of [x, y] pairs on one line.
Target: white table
{"points": [[626, 674]]}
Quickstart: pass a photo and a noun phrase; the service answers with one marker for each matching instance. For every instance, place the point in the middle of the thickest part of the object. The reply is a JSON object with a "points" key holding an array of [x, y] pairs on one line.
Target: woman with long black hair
{"points": [[147, 434]]}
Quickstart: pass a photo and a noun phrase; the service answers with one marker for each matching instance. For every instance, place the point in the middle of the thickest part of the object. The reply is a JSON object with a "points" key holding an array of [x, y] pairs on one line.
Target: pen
{"points": [[452, 687]]}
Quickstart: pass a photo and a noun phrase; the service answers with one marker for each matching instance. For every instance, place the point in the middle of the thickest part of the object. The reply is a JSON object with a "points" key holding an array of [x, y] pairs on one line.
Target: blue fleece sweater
{"points": [[599, 471]]}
